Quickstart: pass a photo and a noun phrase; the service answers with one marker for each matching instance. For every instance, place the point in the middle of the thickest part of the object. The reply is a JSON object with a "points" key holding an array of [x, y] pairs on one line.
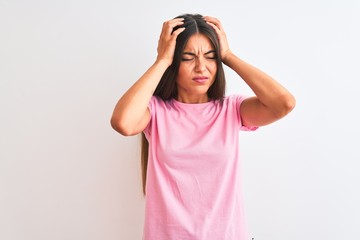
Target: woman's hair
{"points": [[167, 88]]}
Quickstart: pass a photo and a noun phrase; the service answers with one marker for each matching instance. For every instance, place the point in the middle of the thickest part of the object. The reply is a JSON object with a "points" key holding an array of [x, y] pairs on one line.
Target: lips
{"points": [[200, 79]]}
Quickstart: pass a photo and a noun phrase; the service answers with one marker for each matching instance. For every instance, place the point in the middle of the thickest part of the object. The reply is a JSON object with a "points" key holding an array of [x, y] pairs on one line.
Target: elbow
{"points": [[118, 126], [291, 103], [288, 104]]}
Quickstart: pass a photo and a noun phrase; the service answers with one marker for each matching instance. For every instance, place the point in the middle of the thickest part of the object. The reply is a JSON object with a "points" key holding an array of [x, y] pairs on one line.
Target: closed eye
{"points": [[189, 56], [210, 54]]}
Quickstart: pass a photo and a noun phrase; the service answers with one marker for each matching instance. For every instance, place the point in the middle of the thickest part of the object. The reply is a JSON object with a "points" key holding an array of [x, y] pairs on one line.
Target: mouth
{"points": [[200, 79]]}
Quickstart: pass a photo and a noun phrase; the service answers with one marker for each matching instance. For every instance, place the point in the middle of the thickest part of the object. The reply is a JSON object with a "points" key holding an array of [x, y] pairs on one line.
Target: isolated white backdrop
{"points": [[65, 174]]}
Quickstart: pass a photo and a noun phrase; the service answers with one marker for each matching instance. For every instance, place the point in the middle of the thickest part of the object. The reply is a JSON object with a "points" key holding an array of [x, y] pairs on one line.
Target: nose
{"points": [[200, 64]]}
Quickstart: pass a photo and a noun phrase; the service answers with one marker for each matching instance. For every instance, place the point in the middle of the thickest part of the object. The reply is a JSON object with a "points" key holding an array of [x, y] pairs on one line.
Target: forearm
{"points": [[268, 91], [132, 106]]}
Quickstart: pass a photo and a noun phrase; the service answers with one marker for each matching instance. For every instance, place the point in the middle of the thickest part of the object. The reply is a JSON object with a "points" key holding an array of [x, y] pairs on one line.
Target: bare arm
{"points": [[131, 114], [272, 101]]}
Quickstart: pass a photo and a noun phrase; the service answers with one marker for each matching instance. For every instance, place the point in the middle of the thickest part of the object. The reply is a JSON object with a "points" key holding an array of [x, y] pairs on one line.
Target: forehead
{"points": [[198, 42]]}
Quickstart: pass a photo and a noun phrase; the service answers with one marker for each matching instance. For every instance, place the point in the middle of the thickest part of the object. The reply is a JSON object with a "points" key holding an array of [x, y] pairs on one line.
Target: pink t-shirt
{"points": [[193, 189]]}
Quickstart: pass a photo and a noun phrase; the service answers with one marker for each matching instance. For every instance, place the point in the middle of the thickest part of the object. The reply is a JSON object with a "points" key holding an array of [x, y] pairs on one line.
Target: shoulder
{"points": [[235, 99], [156, 101], [157, 104]]}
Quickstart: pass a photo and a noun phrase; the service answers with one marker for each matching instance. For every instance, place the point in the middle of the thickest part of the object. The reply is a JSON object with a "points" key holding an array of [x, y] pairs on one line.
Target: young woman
{"points": [[190, 131]]}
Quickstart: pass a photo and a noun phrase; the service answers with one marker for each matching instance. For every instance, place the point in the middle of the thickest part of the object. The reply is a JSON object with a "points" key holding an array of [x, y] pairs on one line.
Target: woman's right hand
{"points": [[167, 40]]}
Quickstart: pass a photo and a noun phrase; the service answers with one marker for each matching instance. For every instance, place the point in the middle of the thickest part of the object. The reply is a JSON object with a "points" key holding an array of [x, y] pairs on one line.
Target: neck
{"points": [[193, 99]]}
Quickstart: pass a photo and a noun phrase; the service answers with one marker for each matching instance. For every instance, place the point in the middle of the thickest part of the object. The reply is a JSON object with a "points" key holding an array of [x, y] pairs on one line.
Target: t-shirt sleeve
{"points": [[238, 100], [151, 107]]}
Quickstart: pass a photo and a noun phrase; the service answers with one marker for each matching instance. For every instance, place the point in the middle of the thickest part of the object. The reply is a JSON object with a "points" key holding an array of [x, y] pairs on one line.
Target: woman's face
{"points": [[197, 70]]}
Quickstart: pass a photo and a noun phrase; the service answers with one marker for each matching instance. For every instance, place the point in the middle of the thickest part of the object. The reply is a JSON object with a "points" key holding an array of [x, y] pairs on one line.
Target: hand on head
{"points": [[219, 29], [168, 36], [167, 40]]}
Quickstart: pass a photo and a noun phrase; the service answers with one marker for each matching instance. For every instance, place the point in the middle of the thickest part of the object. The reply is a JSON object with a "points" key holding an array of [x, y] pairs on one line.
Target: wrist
{"points": [[162, 63], [226, 59]]}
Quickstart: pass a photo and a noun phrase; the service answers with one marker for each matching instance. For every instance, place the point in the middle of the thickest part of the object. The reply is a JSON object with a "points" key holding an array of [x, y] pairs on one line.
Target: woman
{"points": [[191, 172]]}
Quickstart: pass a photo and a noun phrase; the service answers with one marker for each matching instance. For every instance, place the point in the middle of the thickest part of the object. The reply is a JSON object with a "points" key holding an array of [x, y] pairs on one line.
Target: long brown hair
{"points": [[167, 89]]}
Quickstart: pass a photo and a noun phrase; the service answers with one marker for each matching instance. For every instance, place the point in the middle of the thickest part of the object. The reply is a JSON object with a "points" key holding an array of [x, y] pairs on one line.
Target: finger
{"points": [[177, 32], [215, 22], [216, 28], [169, 25], [212, 19]]}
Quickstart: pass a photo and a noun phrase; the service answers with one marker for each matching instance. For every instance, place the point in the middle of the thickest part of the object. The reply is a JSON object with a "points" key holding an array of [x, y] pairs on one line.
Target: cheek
{"points": [[212, 68], [182, 74], [184, 70]]}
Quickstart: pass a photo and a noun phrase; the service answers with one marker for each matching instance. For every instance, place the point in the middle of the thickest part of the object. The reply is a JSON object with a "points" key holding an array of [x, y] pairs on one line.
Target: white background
{"points": [[65, 174]]}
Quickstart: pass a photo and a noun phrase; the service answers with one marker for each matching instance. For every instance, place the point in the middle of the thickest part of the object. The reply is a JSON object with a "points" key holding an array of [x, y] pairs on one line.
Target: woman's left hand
{"points": [[217, 26]]}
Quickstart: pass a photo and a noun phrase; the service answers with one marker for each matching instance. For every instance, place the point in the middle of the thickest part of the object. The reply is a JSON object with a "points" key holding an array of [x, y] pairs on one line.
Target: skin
{"points": [[270, 103], [131, 114], [197, 70]]}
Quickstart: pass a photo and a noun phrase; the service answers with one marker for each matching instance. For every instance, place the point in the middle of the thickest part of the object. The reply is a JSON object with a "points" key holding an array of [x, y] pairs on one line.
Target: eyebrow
{"points": [[193, 54]]}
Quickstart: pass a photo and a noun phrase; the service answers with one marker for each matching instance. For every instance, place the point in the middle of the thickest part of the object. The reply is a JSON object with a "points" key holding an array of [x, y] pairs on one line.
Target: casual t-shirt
{"points": [[193, 188]]}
